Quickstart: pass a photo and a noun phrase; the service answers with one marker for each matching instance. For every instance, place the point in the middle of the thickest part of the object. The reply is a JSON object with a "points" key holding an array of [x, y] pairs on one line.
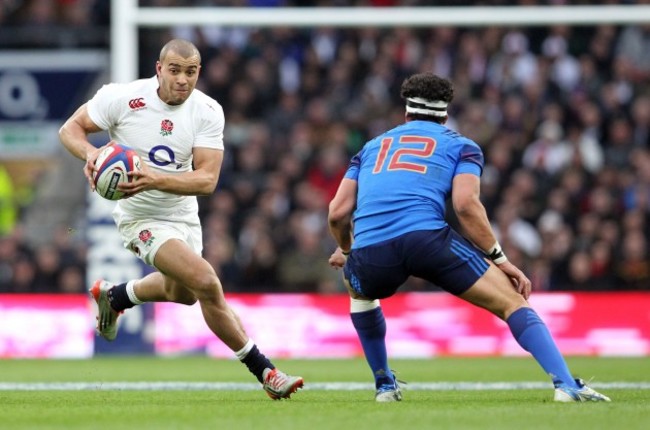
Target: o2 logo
{"points": [[162, 155], [20, 96]]}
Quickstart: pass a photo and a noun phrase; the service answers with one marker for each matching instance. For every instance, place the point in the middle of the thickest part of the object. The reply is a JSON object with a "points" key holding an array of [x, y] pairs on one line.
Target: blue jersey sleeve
{"points": [[470, 159], [353, 169]]}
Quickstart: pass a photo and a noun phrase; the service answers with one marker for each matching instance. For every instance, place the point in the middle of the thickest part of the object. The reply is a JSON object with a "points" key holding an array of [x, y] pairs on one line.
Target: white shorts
{"points": [[144, 238]]}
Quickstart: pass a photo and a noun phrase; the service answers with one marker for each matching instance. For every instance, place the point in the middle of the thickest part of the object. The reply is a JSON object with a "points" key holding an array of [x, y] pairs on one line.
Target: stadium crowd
{"points": [[562, 114]]}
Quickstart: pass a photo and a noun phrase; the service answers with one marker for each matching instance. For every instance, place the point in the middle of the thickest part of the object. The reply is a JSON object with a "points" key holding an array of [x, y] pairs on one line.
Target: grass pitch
{"points": [[99, 394]]}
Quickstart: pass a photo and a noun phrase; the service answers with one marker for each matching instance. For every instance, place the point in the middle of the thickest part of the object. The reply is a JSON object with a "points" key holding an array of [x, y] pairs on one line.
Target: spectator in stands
{"points": [[71, 280], [564, 67], [515, 65], [579, 272], [219, 243], [48, 269], [23, 276], [618, 143], [510, 228], [602, 266], [640, 113], [586, 152], [301, 266], [632, 48], [327, 170], [633, 267], [257, 256], [548, 154]]}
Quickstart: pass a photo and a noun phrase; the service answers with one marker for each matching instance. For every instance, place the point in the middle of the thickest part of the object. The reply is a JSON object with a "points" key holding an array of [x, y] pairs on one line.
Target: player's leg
{"points": [[183, 266], [453, 263], [369, 322], [143, 239], [113, 300], [178, 246], [158, 288], [450, 261], [494, 292]]}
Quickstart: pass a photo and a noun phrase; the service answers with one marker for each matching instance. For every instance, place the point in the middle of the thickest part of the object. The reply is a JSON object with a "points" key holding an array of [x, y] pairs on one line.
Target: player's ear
{"points": [[158, 68]]}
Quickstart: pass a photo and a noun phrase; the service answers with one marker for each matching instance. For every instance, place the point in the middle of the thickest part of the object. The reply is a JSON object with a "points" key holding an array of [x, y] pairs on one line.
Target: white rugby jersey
{"points": [[162, 135]]}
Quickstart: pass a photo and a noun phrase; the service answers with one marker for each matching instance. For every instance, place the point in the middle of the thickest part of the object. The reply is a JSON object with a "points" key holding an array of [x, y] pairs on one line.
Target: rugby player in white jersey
{"points": [[177, 131]]}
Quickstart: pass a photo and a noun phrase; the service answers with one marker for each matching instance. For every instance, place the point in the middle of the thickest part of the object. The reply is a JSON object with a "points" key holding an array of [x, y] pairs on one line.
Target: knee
{"points": [[207, 288], [510, 307]]}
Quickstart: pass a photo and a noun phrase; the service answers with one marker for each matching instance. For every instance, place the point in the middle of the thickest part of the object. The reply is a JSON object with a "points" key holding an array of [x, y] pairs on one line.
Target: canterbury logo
{"points": [[137, 103]]}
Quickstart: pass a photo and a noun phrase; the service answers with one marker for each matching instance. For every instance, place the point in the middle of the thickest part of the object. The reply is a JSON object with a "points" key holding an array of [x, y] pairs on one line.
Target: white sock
{"points": [[131, 293], [359, 305], [242, 353]]}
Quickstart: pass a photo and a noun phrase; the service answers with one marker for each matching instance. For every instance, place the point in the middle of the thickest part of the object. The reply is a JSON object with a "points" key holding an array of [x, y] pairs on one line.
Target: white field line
{"points": [[324, 386]]}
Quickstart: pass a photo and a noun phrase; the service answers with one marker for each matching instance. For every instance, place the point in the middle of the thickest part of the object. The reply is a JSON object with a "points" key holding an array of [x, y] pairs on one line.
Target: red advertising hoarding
{"points": [[419, 325], [45, 326], [313, 326]]}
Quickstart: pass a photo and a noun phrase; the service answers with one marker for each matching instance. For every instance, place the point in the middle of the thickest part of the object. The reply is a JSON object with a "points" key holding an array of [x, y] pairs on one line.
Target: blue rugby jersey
{"points": [[405, 176]]}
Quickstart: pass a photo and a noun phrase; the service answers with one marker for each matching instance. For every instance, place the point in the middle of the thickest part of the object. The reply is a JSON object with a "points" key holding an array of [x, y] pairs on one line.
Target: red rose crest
{"points": [[166, 127], [145, 236]]}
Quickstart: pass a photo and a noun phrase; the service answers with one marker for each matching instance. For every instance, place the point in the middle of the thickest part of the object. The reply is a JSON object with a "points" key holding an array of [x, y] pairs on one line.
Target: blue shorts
{"points": [[442, 257]]}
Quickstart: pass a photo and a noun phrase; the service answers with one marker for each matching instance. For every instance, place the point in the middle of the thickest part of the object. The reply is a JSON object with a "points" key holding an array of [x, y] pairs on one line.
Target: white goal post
{"points": [[127, 17]]}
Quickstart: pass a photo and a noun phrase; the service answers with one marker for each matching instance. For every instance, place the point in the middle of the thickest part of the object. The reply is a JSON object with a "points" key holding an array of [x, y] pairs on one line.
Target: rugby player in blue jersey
{"points": [[388, 218]]}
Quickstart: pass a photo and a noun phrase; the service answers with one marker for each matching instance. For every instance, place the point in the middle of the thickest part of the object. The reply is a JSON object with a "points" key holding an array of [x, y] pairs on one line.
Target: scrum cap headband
{"points": [[426, 107]]}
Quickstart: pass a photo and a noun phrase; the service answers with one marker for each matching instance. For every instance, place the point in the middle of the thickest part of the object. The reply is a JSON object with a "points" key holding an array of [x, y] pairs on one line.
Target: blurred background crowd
{"points": [[562, 114]]}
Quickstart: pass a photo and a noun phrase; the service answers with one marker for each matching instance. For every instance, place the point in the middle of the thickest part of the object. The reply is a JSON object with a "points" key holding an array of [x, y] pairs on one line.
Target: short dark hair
{"points": [[430, 87], [184, 48]]}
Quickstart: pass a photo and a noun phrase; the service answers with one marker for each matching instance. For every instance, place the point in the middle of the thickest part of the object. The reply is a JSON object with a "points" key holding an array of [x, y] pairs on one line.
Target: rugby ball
{"points": [[111, 168]]}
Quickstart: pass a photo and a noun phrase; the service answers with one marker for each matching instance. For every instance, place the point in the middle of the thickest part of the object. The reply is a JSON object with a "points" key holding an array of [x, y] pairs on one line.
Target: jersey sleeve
{"points": [[353, 169], [103, 108], [470, 159], [210, 134]]}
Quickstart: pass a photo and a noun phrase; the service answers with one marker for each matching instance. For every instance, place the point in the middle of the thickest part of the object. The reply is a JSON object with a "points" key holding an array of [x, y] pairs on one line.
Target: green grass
{"points": [[316, 409]]}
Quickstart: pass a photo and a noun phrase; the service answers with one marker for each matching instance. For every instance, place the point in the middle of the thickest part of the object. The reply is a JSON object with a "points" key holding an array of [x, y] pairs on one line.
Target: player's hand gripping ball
{"points": [[112, 166]]}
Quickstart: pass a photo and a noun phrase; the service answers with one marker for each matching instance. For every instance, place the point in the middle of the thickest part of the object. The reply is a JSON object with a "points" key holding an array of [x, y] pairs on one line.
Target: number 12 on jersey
{"points": [[396, 162]]}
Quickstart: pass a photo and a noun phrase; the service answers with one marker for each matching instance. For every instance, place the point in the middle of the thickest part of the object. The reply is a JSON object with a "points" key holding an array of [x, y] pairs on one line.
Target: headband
{"points": [[426, 107]]}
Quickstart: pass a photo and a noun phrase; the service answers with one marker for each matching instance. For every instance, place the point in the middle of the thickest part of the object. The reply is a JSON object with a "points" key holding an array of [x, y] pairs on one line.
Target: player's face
{"points": [[177, 77]]}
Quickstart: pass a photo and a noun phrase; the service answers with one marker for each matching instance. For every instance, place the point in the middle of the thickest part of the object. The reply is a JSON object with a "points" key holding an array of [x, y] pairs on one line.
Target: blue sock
{"points": [[371, 329], [256, 363], [119, 299], [533, 335]]}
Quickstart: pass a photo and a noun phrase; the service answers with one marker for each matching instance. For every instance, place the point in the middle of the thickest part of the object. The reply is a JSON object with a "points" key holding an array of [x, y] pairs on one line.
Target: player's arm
{"points": [[471, 212], [200, 181], [73, 134], [339, 217], [476, 227]]}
